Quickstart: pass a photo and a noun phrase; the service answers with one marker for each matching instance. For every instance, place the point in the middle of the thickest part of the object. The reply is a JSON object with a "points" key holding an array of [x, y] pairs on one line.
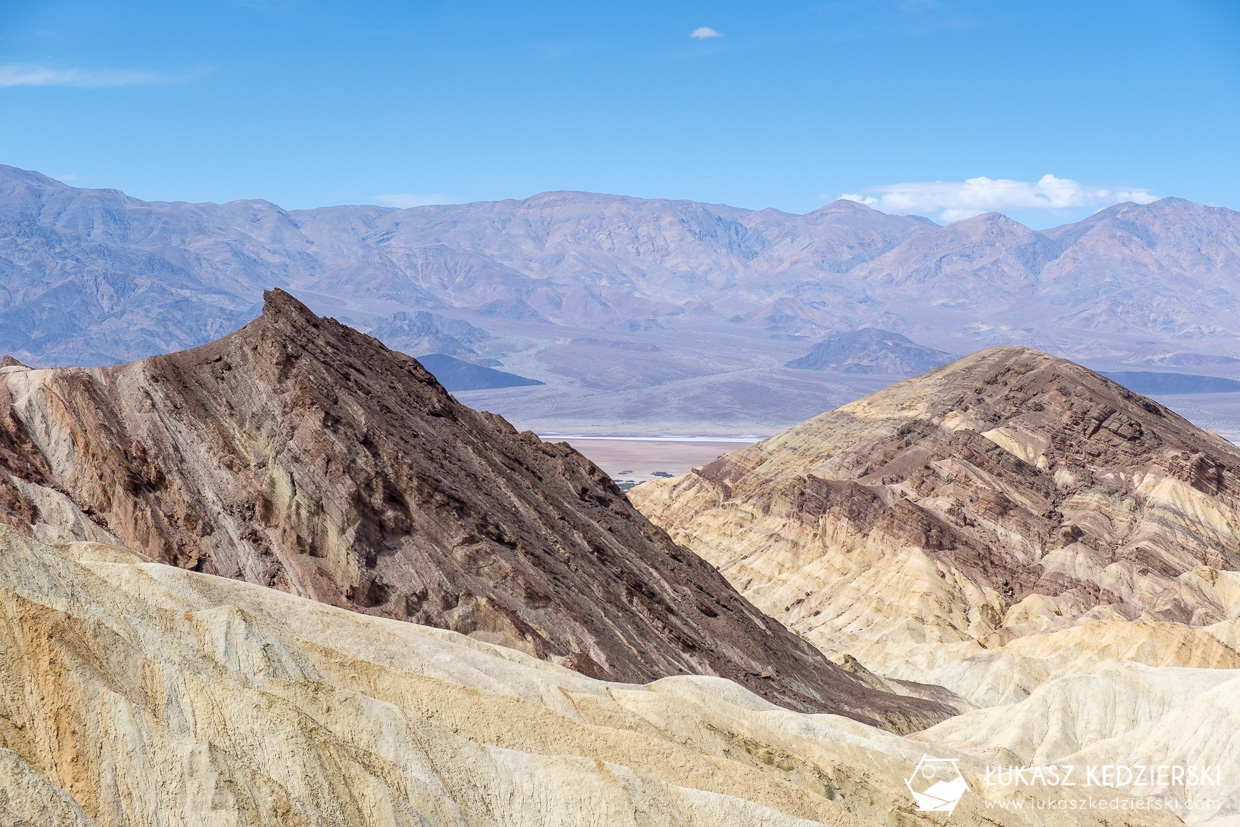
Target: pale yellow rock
{"points": [[133, 693], [1116, 522], [1120, 714]]}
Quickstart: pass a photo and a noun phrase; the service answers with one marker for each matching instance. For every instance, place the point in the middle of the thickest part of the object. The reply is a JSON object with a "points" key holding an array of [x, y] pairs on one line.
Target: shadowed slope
{"points": [[300, 454]]}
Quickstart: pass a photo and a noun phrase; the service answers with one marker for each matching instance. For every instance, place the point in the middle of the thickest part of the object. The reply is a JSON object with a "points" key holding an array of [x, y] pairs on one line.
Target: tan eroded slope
{"points": [[135, 693], [1011, 493]]}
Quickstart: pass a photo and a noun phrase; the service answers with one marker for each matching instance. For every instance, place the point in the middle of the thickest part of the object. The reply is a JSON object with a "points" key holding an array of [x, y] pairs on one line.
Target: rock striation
{"points": [[1120, 713], [139, 694], [304, 456], [1007, 494]]}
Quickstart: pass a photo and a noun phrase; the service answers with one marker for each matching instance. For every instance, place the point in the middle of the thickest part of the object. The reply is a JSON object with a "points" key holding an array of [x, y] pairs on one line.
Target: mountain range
{"points": [[286, 578], [692, 309]]}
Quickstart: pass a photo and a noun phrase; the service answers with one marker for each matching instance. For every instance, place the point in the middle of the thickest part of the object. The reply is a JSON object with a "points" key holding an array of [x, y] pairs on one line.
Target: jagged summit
{"points": [[288, 316], [300, 454], [997, 495]]}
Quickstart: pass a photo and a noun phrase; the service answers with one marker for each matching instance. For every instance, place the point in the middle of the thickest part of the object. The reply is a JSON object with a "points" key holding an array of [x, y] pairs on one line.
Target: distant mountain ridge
{"points": [[1164, 382], [871, 351], [458, 375], [95, 276]]}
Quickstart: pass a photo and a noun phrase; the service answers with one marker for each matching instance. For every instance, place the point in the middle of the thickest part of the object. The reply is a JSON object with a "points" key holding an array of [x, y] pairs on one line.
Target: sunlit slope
{"points": [[136, 693]]}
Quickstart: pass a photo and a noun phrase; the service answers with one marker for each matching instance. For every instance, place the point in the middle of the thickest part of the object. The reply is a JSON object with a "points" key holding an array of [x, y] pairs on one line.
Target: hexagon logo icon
{"points": [[936, 785]]}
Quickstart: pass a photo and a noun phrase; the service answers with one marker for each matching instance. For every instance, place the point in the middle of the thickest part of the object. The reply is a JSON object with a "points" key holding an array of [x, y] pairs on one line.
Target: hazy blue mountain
{"points": [[1157, 382], [872, 351], [705, 301], [425, 332], [458, 375]]}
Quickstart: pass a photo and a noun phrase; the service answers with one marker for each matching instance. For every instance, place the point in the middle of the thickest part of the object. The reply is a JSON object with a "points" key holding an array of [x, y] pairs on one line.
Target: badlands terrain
{"points": [[135, 693], [285, 578], [301, 455], [259, 566], [1059, 553]]}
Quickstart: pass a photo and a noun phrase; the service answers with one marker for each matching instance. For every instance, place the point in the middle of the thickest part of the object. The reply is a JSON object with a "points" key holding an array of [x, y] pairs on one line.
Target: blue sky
{"points": [[316, 103]]}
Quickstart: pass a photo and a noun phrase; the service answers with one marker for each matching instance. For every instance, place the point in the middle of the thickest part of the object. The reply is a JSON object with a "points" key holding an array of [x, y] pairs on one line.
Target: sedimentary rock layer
{"points": [[138, 694], [1005, 494], [302, 455]]}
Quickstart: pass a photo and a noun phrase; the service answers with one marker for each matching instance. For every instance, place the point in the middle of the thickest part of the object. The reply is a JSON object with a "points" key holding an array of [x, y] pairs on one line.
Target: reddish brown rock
{"points": [[305, 456]]}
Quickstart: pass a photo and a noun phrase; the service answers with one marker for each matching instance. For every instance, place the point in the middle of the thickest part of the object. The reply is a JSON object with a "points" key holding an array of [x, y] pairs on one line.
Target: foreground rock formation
{"points": [[301, 455], [1005, 495], [1098, 625], [139, 694]]}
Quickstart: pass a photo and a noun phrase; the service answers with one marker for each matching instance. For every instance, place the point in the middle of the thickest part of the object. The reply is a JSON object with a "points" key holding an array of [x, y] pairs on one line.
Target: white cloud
{"points": [[405, 200], [955, 200], [14, 74], [704, 32]]}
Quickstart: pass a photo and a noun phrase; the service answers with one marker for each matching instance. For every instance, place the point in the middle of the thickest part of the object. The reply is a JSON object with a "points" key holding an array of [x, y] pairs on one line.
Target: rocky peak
{"points": [[300, 454], [1003, 492]]}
